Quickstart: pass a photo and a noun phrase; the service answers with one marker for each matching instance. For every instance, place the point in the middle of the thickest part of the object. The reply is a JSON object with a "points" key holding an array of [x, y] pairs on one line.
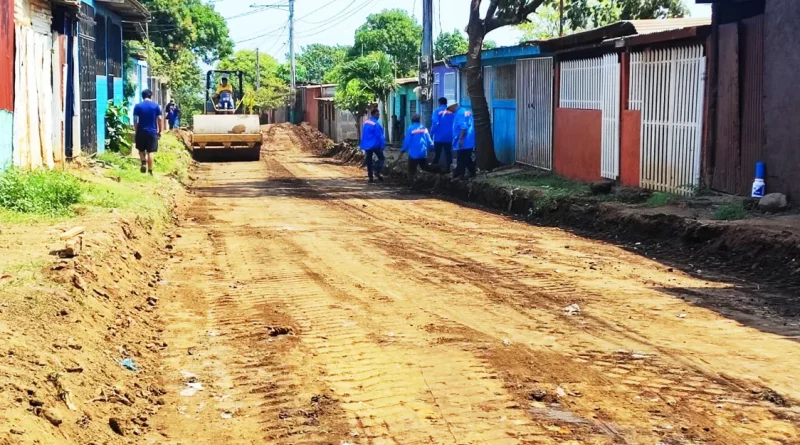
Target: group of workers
{"points": [[452, 129]]}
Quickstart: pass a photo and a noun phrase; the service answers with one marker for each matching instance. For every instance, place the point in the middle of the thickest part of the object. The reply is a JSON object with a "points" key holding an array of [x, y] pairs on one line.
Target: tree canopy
{"points": [[370, 75], [587, 14], [392, 32], [191, 25], [454, 43], [319, 60]]}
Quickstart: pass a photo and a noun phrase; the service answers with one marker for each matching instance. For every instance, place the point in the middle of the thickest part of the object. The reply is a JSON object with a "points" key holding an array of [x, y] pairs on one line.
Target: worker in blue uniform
{"points": [[463, 141], [442, 129], [417, 143], [373, 142]]}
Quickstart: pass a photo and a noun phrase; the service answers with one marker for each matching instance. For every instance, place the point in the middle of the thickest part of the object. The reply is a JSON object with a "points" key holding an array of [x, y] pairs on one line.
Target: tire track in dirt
{"points": [[704, 388]]}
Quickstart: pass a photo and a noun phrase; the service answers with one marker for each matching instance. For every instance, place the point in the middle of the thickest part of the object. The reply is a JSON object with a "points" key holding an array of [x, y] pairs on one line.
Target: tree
{"points": [[245, 61], [189, 24], [375, 77], [300, 72], [353, 97], [319, 59], [394, 33], [454, 43], [499, 13], [588, 14]]}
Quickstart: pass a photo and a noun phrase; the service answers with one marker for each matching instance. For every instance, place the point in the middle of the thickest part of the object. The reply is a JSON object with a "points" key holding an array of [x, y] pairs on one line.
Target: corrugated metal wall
{"points": [[6, 82], [535, 112], [503, 110], [740, 107]]}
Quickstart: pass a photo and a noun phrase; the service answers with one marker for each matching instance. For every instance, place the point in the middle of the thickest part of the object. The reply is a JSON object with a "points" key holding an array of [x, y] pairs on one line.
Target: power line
{"points": [[333, 24], [333, 17]]}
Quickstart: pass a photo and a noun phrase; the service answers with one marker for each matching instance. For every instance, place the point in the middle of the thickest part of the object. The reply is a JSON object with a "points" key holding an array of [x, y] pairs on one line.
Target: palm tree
{"points": [[375, 73]]}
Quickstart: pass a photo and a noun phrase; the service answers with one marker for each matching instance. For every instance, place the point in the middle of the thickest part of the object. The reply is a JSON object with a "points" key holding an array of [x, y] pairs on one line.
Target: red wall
{"points": [[578, 143], [7, 55], [312, 106], [630, 147]]}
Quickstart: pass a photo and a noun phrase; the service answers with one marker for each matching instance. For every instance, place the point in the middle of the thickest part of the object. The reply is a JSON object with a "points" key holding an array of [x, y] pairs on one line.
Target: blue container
{"points": [[761, 169]]}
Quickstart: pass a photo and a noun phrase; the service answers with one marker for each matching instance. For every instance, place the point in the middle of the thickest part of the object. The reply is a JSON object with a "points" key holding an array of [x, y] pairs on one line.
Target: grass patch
{"points": [[660, 199], [731, 211], [171, 160], [41, 192], [548, 184]]}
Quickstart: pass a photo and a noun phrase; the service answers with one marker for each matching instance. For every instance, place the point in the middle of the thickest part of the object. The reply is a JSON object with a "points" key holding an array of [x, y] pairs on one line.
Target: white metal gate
{"points": [[594, 84], [535, 112], [667, 86]]}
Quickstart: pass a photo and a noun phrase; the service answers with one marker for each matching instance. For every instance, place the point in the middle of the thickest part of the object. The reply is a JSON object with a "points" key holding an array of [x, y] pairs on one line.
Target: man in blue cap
{"points": [[442, 129], [416, 144], [373, 142], [463, 141]]}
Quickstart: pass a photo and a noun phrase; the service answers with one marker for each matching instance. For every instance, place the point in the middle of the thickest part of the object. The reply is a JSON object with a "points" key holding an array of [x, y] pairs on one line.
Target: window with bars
{"points": [[114, 45], [505, 82], [450, 87], [100, 45]]}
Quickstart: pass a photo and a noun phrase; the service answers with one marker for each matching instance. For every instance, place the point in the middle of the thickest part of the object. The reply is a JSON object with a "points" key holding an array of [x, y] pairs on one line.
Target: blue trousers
{"points": [[373, 167]]}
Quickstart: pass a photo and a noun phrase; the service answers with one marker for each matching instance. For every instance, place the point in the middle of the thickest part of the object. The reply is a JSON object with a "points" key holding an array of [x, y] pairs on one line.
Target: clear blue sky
{"points": [[335, 21]]}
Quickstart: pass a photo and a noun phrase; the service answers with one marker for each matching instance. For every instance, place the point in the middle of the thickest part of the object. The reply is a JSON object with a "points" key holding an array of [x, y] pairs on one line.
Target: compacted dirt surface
{"points": [[304, 306]]}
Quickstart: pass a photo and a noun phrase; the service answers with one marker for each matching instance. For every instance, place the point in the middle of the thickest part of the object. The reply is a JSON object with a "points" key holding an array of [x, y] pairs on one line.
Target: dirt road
{"points": [[306, 307]]}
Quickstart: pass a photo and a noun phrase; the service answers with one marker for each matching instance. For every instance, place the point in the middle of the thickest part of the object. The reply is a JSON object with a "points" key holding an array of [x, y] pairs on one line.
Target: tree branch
{"points": [[520, 16]]}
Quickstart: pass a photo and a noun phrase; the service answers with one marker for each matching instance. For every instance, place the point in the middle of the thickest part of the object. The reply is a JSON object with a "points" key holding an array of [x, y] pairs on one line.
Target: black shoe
{"points": [[371, 181], [380, 177], [143, 169], [151, 172]]}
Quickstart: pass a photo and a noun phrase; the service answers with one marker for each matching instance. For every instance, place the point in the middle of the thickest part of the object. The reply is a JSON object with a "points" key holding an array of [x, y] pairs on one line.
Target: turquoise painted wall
{"points": [[6, 138], [395, 101], [119, 97], [102, 106]]}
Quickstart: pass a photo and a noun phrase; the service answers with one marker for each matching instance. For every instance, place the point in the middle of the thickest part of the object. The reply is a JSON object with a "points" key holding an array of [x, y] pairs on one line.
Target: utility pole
{"points": [[426, 64], [291, 45], [258, 70]]}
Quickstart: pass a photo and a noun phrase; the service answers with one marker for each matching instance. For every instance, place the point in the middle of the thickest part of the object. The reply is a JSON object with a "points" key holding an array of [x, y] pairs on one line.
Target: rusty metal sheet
{"points": [[752, 94], [6, 55], [727, 160]]}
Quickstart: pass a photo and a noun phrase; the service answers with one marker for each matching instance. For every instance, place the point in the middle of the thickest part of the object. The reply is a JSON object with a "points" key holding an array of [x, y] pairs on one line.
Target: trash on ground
{"points": [[572, 309], [128, 364]]}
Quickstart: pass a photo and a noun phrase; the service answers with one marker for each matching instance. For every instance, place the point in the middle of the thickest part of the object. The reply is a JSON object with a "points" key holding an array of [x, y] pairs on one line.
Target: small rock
{"points": [[602, 187], [63, 312], [78, 282], [774, 202], [137, 255], [560, 392], [116, 426], [36, 402], [52, 417], [538, 395], [152, 300], [16, 432]]}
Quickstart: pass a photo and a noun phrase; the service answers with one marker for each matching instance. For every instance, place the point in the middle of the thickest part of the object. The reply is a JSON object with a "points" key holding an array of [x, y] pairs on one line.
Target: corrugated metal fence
{"points": [[594, 84], [535, 112], [667, 86]]}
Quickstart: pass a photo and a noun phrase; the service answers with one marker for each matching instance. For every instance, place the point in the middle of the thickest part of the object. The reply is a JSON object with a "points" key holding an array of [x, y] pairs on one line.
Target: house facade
{"points": [[403, 102], [754, 98], [6, 82]]}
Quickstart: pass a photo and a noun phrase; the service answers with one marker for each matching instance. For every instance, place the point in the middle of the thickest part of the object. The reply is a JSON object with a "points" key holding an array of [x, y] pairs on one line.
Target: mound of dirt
{"points": [[81, 343], [310, 139]]}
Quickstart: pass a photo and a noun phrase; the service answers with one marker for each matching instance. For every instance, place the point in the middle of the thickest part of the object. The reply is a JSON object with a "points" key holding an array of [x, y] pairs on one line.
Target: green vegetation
{"points": [[660, 199], [30, 196], [580, 15], [118, 128], [319, 60], [393, 33], [371, 77], [731, 211], [552, 189], [171, 160], [50, 193], [454, 43]]}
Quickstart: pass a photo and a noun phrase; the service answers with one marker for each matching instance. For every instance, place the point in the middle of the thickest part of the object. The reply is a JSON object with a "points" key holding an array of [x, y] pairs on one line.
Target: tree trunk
{"points": [[357, 117], [484, 143], [385, 116]]}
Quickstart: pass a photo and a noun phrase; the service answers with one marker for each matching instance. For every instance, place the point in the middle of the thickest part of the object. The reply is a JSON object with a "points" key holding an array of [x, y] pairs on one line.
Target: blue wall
{"points": [[118, 91], [102, 106], [6, 138]]}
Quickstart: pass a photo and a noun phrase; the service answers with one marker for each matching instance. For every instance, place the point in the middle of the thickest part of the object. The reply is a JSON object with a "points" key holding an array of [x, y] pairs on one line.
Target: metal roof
{"points": [[407, 80], [659, 25], [134, 16]]}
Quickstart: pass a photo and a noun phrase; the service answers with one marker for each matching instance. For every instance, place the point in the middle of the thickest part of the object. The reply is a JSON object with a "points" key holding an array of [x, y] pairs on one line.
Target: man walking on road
{"points": [[173, 114], [416, 144], [373, 142], [148, 125], [442, 129], [463, 141]]}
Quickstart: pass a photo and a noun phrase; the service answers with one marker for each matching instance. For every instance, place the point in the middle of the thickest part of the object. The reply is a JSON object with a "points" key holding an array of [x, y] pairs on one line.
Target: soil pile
{"points": [[81, 342]]}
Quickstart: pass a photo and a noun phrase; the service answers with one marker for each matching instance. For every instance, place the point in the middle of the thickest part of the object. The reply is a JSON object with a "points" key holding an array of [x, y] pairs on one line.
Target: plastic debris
{"points": [[129, 365], [572, 309]]}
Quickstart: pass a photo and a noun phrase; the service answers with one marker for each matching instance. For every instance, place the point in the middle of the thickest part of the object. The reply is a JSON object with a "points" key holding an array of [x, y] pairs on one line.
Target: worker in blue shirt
{"points": [[416, 144], [463, 141], [373, 142], [442, 129]]}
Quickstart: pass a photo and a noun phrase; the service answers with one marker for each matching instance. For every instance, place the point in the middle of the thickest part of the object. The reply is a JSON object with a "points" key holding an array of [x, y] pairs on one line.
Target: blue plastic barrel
{"points": [[761, 169]]}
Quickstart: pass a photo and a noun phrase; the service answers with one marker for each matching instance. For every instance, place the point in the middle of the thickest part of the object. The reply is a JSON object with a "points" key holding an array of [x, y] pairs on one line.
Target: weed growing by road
{"points": [[171, 160], [660, 199], [731, 211], [41, 192]]}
